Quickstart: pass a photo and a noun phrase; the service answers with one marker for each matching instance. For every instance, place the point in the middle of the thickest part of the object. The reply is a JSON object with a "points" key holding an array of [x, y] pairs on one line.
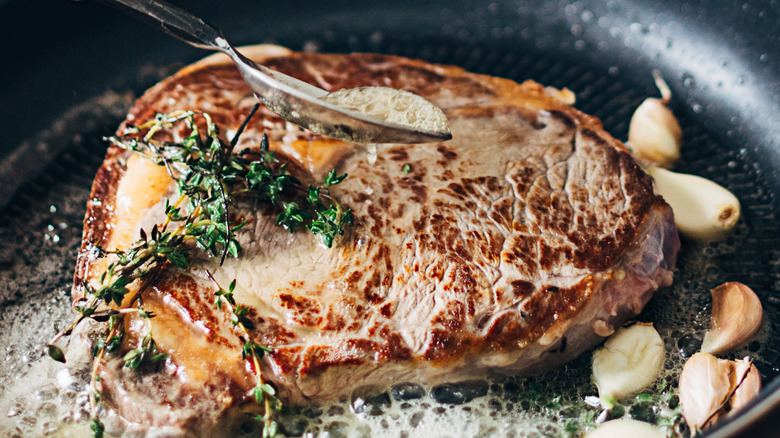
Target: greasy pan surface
{"points": [[720, 58]]}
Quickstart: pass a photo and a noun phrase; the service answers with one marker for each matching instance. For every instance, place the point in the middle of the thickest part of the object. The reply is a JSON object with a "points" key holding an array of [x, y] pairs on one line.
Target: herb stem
{"points": [[226, 299], [94, 393], [175, 206]]}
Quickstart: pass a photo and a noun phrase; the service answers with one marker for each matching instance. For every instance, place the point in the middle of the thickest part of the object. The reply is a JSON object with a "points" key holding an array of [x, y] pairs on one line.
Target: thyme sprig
{"points": [[263, 393], [210, 178], [213, 177]]}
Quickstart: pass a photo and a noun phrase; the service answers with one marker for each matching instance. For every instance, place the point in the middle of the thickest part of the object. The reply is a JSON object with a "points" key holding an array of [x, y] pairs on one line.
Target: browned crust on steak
{"points": [[500, 264], [97, 218]]}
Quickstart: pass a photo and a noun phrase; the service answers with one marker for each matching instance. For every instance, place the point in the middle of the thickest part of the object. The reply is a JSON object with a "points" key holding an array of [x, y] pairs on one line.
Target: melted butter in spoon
{"points": [[392, 105]]}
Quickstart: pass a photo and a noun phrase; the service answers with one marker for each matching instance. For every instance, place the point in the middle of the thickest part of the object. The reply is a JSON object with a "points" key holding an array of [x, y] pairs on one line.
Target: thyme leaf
{"points": [[55, 353], [96, 428], [146, 353]]}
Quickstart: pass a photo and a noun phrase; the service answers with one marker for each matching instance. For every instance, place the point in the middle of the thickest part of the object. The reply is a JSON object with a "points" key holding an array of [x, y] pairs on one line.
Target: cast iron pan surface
{"points": [[70, 70]]}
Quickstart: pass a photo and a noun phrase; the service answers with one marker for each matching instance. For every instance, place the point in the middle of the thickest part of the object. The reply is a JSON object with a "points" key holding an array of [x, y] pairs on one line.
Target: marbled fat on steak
{"points": [[511, 248]]}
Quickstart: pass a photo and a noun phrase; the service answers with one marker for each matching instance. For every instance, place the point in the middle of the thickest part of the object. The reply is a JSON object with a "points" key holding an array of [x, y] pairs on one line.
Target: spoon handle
{"points": [[176, 22]]}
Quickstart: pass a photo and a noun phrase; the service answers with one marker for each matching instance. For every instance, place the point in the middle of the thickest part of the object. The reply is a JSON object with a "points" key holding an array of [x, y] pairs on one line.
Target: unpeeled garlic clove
{"points": [[736, 318], [628, 362], [623, 427], [703, 210], [748, 384], [654, 133], [705, 386], [711, 388]]}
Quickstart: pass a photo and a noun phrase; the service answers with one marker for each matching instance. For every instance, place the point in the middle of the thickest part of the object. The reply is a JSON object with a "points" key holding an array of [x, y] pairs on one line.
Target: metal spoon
{"points": [[294, 100]]}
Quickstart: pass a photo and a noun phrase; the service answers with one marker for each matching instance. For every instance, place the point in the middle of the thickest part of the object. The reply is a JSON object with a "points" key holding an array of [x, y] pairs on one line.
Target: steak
{"points": [[512, 248]]}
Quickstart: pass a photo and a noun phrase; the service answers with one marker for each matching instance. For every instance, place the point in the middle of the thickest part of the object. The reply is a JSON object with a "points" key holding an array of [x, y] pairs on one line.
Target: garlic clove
{"points": [[628, 362], [703, 210], [736, 318], [705, 386], [654, 133], [711, 388], [748, 381], [622, 428]]}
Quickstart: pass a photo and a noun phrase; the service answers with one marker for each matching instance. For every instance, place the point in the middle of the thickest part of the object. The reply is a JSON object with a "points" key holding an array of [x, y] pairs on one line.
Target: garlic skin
{"points": [[737, 315], [703, 210], [711, 388], [622, 428], [705, 386], [654, 134], [628, 362], [748, 374]]}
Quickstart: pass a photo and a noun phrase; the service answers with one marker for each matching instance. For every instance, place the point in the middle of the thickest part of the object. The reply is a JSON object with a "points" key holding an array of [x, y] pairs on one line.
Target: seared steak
{"points": [[511, 248]]}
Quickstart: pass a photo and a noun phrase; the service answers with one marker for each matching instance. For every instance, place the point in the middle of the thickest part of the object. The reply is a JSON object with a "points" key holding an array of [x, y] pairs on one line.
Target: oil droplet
{"points": [[613, 71], [696, 107], [311, 46], [688, 80], [741, 80], [764, 57], [638, 28], [587, 16]]}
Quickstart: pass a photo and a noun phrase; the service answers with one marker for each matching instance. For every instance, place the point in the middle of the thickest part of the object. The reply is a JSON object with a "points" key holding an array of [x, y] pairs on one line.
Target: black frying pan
{"points": [[721, 59]]}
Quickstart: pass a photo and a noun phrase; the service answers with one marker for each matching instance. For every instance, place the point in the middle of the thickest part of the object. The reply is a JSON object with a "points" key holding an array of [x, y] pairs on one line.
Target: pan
{"points": [[71, 69]]}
